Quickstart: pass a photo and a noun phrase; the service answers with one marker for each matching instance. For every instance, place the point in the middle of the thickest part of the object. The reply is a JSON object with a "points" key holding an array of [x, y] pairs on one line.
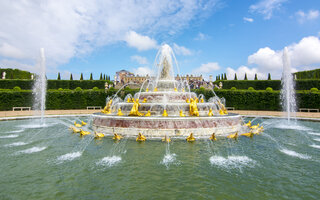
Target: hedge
{"points": [[15, 73], [261, 99], [55, 99], [263, 84], [311, 74], [54, 84]]}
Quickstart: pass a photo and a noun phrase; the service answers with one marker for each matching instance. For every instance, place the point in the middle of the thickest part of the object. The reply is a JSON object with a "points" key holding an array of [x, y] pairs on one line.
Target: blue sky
{"points": [[208, 37]]}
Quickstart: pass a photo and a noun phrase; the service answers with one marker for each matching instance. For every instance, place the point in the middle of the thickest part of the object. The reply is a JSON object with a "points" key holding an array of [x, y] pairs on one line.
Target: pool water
{"points": [[50, 162]]}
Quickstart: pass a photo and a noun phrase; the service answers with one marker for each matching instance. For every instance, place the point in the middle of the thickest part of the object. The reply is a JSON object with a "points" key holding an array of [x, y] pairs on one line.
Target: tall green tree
{"points": [[104, 77], [71, 78], [245, 76], [59, 78], [235, 77], [225, 76], [101, 77], [91, 78], [269, 77], [81, 77], [255, 77]]}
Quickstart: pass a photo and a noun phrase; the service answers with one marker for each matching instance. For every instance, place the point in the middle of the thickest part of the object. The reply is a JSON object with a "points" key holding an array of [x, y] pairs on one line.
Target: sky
{"points": [[209, 37]]}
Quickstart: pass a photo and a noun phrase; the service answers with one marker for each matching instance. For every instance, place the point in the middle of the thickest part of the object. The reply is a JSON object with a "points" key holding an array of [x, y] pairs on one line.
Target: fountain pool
{"points": [[53, 163]]}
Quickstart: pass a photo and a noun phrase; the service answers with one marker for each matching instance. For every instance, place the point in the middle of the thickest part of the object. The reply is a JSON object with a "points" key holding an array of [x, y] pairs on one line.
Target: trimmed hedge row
{"points": [[53, 84], [261, 100], [15, 73], [55, 99], [263, 84], [311, 74], [240, 99]]}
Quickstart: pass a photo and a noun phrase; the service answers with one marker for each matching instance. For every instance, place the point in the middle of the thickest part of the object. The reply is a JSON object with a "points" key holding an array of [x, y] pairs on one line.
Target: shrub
{"points": [[60, 89], [78, 89], [233, 88], [251, 88], [16, 88], [269, 89], [95, 88], [314, 90]]}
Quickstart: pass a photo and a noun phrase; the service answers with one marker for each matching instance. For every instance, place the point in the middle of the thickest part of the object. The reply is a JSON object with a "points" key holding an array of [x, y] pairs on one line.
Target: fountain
{"points": [[288, 87], [40, 87], [166, 107]]}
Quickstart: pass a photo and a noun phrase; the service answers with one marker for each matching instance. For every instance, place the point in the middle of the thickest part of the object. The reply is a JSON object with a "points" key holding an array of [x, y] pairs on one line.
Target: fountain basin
{"points": [[173, 126]]}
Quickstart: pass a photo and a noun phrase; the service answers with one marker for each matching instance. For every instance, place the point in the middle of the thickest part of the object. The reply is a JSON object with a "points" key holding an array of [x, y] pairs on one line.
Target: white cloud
{"points": [[241, 71], [181, 50], [143, 71], [303, 55], [207, 68], [201, 36], [140, 59], [266, 7], [248, 19], [66, 29], [140, 42], [305, 16]]}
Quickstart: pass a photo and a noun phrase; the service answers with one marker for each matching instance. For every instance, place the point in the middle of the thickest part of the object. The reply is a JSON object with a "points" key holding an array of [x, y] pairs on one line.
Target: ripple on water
{"points": [[315, 146], [109, 161], [69, 156], [232, 162], [314, 133], [16, 131], [317, 139], [292, 126], [295, 154], [32, 150], [8, 136], [15, 144]]}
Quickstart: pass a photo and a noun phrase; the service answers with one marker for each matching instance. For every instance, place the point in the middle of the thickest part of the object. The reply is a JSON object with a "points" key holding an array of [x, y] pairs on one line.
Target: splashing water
{"points": [[69, 156], [31, 150], [40, 87], [109, 161], [232, 162], [8, 136], [288, 99], [295, 154], [15, 144]]}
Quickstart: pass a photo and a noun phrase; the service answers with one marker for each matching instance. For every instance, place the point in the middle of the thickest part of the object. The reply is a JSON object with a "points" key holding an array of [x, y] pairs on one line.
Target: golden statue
{"points": [[148, 114], [119, 112], [187, 100], [210, 114], [190, 138], [193, 108], [107, 108], [213, 137], [166, 139], [165, 114], [155, 89], [135, 109], [201, 100], [175, 89], [147, 90], [144, 100], [182, 114], [117, 137], [141, 138]]}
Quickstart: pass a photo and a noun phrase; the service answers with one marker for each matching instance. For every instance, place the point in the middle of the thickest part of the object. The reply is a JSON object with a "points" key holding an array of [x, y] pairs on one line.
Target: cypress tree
{"points": [[269, 77], [101, 77], [91, 78], [71, 78], [235, 77], [81, 77], [255, 77], [245, 76], [59, 78], [225, 76], [104, 77]]}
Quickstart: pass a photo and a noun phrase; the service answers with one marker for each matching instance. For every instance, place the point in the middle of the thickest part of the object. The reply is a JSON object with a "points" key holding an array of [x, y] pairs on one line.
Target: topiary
{"points": [[78, 89], [250, 88], [233, 88], [314, 90], [16, 88], [269, 89], [95, 88], [60, 89]]}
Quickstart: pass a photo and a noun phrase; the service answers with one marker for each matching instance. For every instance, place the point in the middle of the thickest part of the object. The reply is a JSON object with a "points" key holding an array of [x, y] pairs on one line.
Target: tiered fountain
{"points": [[166, 107]]}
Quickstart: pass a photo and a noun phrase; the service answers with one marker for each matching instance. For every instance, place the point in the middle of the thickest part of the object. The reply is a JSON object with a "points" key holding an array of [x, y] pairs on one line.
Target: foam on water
{"points": [[109, 161], [32, 150], [317, 139], [292, 126], [69, 156], [315, 146], [295, 154], [232, 162], [37, 125], [16, 131], [168, 159], [8, 136], [313, 133], [15, 144]]}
